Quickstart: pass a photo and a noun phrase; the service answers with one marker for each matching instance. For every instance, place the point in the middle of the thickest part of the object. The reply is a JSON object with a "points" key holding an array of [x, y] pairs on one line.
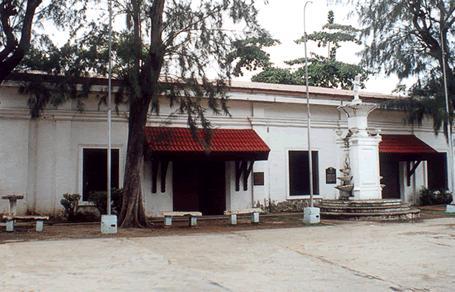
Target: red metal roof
{"points": [[224, 141], [404, 144]]}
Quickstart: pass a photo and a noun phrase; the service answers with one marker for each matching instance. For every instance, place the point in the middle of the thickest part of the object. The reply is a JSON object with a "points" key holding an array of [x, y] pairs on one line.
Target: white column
{"points": [[364, 157]]}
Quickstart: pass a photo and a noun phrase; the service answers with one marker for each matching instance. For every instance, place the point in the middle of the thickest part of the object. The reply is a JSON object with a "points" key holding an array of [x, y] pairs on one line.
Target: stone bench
{"points": [[192, 215], [11, 219], [254, 212]]}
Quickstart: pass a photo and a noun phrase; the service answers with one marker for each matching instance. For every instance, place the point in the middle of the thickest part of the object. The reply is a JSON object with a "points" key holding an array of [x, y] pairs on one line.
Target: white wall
{"points": [[42, 157], [236, 199], [159, 201]]}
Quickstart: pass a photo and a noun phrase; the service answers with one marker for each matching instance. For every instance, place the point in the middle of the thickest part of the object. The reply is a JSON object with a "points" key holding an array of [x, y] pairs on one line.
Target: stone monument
{"points": [[360, 173]]}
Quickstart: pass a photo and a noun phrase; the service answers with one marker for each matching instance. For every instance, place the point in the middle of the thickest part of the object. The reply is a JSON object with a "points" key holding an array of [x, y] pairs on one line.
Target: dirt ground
{"points": [[280, 254], [60, 231], [57, 231]]}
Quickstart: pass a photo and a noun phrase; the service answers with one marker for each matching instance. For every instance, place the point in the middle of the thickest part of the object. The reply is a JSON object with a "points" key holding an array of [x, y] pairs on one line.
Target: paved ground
{"points": [[342, 257]]}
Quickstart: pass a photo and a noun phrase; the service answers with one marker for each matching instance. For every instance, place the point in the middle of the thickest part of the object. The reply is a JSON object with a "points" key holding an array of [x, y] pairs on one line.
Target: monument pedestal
{"points": [[364, 154]]}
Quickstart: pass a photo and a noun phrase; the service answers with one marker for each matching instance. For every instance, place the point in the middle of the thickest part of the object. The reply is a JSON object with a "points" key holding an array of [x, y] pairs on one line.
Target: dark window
{"points": [[299, 175], [437, 171], [95, 170]]}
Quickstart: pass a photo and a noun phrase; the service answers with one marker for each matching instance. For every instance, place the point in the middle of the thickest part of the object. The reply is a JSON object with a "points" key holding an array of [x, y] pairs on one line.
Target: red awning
{"points": [[404, 144], [226, 144]]}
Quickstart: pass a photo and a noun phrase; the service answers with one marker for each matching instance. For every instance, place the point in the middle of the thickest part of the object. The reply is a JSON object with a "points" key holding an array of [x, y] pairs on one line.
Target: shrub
{"points": [[71, 203], [99, 199], [434, 197]]}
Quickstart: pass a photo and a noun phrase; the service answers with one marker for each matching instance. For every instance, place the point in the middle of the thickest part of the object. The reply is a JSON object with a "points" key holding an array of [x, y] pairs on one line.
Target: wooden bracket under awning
{"points": [[410, 171], [162, 165], [243, 170]]}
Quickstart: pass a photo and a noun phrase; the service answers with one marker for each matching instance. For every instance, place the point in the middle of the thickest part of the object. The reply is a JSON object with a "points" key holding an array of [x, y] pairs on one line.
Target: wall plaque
{"points": [[330, 175], [258, 178]]}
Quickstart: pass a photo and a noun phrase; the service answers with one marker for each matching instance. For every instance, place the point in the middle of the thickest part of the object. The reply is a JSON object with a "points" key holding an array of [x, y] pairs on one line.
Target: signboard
{"points": [[330, 175], [258, 178]]}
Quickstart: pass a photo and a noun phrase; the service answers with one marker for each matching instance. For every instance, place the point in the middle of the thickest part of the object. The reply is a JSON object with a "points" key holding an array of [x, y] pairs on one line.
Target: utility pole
{"points": [[311, 214], [109, 221]]}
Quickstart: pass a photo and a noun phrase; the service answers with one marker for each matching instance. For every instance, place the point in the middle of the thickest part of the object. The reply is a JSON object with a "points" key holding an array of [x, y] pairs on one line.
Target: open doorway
{"points": [[389, 168], [199, 185], [94, 170]]}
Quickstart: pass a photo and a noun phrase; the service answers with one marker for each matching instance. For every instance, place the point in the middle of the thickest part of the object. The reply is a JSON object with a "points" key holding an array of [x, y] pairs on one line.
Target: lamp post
{"points": [[109, 221], [310, 214], [451, 207]]}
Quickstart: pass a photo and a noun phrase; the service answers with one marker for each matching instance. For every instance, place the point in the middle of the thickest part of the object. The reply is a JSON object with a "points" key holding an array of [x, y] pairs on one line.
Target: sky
{"points": [[284, 20]]}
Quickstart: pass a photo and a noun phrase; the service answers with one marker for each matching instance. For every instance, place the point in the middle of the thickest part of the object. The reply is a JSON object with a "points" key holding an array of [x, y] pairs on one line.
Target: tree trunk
{"points": [[133, 214]]}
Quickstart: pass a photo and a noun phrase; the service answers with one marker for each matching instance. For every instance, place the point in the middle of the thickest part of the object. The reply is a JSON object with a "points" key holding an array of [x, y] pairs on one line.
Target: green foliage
{"points": [[99, 199], [70, 203], [404, 38], [20, 20], [322, 71], [434, 197], [332, 35], [278, 75], [249, 54]]}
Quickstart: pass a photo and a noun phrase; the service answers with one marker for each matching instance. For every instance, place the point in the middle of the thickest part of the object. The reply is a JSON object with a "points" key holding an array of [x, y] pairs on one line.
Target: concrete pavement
{"points": [[357, 256]]}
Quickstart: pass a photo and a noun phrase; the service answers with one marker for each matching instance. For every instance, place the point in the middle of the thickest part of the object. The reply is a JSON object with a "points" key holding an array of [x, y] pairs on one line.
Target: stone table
{"points": [[13, 202]]}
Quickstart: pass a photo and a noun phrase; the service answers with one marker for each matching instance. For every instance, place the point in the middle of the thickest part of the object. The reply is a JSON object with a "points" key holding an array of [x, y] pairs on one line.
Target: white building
{"points": [[64, 150]]}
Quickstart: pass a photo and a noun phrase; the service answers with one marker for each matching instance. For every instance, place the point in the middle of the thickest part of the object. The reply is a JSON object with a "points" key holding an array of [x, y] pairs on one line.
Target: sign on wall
{"points": [[330, 175], [258, 178]]}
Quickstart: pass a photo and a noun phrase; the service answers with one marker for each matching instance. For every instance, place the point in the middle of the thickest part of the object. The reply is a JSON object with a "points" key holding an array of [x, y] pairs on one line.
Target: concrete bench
{"points": [[192, 215], [11, 219], [254, 212]]}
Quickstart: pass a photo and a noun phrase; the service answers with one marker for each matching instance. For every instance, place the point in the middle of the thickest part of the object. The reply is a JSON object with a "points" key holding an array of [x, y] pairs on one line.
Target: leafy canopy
{"points": [[404, 37], [19, 18], [322, 71], [202, 45]]}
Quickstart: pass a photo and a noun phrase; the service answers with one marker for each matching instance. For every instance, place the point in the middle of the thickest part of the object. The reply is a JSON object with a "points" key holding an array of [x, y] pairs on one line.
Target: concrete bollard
{"points": [[167, 221], [39, 226], [10, 225], [193, 221], [255, 217], [233, 219]]}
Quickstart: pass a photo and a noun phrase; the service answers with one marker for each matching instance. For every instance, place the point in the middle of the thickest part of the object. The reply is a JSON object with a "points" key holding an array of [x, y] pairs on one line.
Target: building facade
{"points": [[64, 151]]}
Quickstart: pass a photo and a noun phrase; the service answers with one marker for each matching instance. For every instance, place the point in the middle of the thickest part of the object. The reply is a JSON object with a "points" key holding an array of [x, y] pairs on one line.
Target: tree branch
{"points": [[13, 58], [171, 38], [6, 11]]}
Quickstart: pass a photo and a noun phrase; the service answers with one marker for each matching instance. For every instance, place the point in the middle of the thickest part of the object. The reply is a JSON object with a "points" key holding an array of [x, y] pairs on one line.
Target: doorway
{"points": [[389, 167], [199, 185]]}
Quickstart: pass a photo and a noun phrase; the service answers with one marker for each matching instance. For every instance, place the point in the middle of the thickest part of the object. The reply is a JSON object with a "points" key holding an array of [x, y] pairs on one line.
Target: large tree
{"points": [[16, 26], [407, 38], [325, 71], [167, 48]]}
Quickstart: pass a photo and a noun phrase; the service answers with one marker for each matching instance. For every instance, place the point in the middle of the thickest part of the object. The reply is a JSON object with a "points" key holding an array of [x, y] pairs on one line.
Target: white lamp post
{"points": [[311, 215], [109, 221]]}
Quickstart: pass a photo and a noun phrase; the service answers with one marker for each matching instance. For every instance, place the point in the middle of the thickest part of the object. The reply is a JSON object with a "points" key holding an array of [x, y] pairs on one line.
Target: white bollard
{"points": [[167, 221], [193, 221], [255, 217], [233, 219], [311, 215], [108, 224], [39, 226], [10, 225]]}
